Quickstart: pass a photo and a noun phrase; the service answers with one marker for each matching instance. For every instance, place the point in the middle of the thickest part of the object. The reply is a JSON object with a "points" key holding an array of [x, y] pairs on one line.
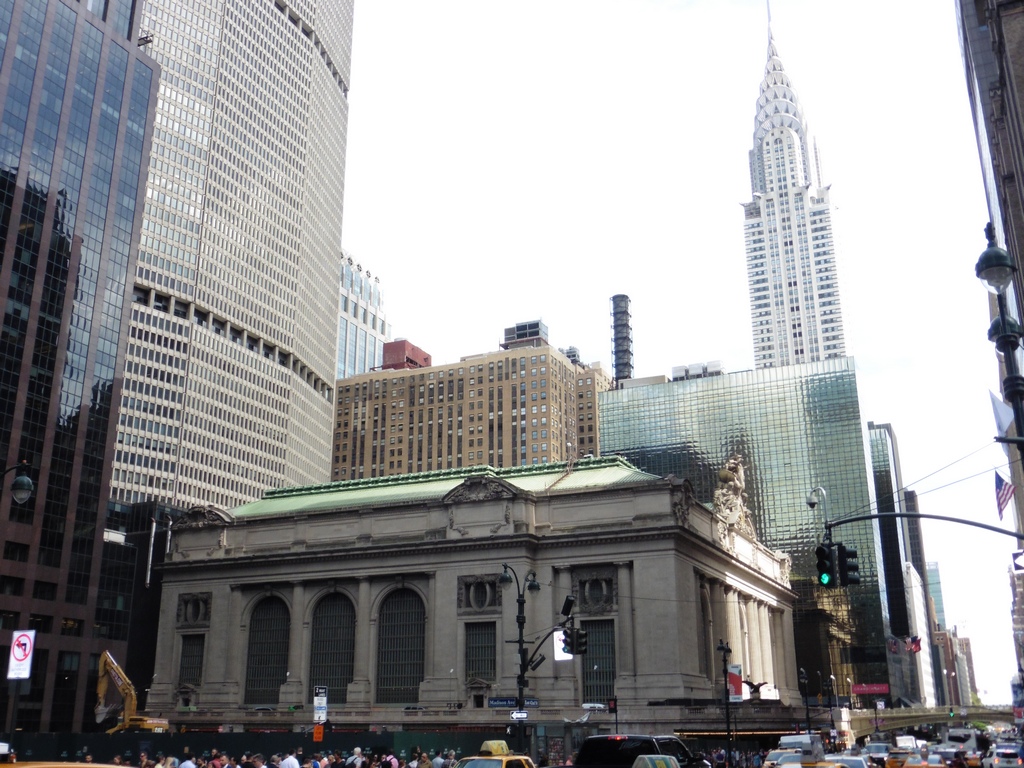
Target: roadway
{"points": [[866, 721]]}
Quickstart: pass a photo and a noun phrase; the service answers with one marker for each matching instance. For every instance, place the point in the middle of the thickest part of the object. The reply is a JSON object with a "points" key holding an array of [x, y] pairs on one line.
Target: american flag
{"points": [[1004, 492]]}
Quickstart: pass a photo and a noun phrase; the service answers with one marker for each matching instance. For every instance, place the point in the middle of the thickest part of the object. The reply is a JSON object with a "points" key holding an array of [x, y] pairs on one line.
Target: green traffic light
{"points": [[824, 579]]}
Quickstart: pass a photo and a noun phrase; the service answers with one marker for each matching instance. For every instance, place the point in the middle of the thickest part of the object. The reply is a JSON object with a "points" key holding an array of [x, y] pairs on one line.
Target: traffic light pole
{"points": [[829, 525]]}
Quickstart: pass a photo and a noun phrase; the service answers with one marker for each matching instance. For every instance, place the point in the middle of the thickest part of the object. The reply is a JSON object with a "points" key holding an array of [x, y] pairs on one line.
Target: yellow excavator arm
{"points": [[111, 672]]}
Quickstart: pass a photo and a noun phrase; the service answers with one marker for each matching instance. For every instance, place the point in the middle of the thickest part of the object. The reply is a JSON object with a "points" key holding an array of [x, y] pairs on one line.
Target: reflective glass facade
{"points": [[885, 470], [797, 427], [77, 96], [362, 326]]}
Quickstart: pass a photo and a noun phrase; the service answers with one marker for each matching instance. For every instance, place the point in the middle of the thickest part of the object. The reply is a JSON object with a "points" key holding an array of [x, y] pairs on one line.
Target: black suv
{"points": [[620, 750]]}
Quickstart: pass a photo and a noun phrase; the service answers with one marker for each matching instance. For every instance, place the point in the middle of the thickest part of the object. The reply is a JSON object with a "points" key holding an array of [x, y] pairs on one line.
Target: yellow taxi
{"points": [[897, 757], [920, 761], [495, 754]]}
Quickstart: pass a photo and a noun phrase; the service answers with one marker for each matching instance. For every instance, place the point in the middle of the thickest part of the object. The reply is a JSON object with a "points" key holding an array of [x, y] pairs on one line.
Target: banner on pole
{"points": [[735, 683]]}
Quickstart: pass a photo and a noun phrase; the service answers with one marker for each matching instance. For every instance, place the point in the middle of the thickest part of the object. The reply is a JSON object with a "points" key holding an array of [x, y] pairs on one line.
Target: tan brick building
{"points": [[526, 404]]}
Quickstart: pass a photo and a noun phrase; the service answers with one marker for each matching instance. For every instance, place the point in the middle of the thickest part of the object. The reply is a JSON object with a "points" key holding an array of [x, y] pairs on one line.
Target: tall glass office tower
{"points": [[229, 379], [795, 312], [362, 324], [78, 95], [797, 427], [904, 579]]}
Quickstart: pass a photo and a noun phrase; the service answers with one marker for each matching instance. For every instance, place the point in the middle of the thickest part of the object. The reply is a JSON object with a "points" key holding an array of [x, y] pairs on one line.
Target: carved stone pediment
{"points": [[201, 517], [480, 489]]}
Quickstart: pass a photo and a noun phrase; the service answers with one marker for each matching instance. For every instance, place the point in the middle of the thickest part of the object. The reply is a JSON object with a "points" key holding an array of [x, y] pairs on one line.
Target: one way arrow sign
{"points": [[1018, 560]]}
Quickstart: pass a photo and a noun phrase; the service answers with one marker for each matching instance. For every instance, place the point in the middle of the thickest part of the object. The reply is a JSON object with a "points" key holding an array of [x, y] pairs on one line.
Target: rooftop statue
{"points": [[730, 498]]}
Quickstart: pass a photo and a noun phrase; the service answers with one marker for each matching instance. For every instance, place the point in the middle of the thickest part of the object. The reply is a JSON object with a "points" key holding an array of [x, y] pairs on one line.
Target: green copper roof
{"points": [[431, 487]]}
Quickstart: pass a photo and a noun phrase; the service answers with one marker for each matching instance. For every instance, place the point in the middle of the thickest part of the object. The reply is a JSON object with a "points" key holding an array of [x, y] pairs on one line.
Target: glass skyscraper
{"points": [[795, 311], [362, 325], [797, 427], [78, 94], [904, 578]]}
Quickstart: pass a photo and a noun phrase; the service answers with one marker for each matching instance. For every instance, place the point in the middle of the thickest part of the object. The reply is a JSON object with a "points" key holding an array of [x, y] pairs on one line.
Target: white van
{"points": [[797, 740], [809, 745]]}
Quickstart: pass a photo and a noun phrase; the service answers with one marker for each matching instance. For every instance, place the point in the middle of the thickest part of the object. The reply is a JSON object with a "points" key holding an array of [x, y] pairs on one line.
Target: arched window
{"points": [[401, 633], [267, 666], [332, 649]]}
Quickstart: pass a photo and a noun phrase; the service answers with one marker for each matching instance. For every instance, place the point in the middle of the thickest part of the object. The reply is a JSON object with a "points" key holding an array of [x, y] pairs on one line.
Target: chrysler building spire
{"points": [[791, 272]]}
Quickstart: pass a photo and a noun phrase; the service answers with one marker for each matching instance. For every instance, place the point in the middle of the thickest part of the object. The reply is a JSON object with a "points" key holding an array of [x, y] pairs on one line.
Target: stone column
{"points": [[764, 625], [783, 665], [359, 689], [292, 692], [789, 648], [755, 670], [431, 626], [735, 628], [234, 670], [625, 663], [708, 629]]}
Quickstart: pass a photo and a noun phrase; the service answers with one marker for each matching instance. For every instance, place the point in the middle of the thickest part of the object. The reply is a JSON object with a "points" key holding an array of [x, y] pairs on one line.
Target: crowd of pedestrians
{"points": [[740, 758], [293, 759]]}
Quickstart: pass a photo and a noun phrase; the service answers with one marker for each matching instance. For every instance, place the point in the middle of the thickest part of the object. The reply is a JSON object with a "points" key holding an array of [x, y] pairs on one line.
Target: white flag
{"points": [[1004, 418]]}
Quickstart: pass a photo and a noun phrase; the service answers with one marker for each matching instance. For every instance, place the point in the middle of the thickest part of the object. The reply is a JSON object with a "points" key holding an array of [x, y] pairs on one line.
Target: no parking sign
{"points": [[22, 646]]}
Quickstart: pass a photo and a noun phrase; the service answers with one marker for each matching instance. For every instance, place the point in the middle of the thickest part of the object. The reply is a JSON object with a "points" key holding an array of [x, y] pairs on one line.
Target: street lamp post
{"points": [[725, 650], [821, 688], [803, 690], [531, 584], [831, 711], [996, 270], [21, 491]]}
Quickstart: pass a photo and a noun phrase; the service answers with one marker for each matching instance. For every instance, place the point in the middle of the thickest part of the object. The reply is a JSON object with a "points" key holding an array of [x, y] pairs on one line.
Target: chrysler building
{"points": [[795, 311]]}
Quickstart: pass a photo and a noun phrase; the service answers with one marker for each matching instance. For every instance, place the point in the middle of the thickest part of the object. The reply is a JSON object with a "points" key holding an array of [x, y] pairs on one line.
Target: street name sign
{"points": [[507, 702]]}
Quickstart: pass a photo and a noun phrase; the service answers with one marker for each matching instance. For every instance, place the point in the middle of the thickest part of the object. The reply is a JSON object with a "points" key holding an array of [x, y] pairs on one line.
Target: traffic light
{"points": [[849, 570], [613, 706], [950, 711], [580, 641], [568, 641], [826, 564]]}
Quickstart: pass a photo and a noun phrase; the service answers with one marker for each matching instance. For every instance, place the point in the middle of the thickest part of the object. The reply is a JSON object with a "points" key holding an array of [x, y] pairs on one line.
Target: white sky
{"points": [[509, 161]]}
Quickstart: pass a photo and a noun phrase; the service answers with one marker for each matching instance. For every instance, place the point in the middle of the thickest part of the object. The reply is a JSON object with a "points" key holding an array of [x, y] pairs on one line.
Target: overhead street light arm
{"points": [[858, 518]]}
